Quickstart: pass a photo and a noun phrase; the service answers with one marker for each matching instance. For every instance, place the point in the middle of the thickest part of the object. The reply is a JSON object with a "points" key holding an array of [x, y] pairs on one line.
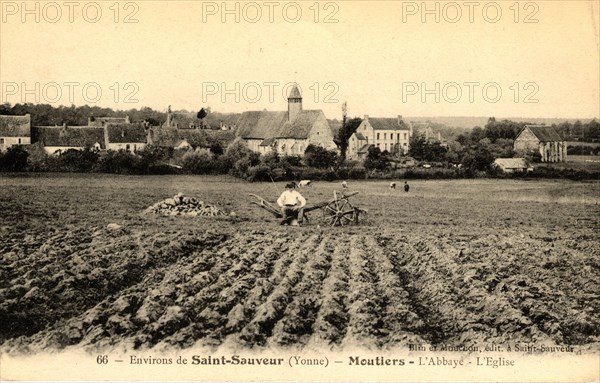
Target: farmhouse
{"points": [[14, 130], [391, 134], [129, 137], [287, 133], [512, 165], [543, 140], [58, 139]]}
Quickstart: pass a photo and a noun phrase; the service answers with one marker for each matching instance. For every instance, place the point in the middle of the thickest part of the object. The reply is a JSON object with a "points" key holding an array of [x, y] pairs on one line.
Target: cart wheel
{"points": [[339, 213]]}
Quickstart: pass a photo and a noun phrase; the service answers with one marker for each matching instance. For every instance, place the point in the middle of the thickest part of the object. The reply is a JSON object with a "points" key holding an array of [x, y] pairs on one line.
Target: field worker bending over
{"points": [[291, 203]]}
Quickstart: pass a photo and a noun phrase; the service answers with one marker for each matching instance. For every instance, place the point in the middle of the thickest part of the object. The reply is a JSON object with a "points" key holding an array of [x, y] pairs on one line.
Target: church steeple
{"points": [[294, 103]]}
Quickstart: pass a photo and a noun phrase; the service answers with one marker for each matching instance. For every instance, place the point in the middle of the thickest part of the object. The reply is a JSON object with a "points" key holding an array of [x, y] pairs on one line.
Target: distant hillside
{"points": [[471, 122]]}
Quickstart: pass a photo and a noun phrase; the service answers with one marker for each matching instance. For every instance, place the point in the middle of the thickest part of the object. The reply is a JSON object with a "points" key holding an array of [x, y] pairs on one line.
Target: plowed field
{"points": [[452, 263]]}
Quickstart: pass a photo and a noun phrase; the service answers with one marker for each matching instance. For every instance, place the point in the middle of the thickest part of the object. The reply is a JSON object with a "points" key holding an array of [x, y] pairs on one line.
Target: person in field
{"points": [[291, 203], [406, 187]]}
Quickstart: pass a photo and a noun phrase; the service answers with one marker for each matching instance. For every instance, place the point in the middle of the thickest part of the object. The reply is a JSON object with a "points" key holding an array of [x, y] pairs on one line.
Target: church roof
{"points": [[15, 126], [267, 124], [295, 92], [387, 124], [543, 133], [301, 126], [261, 124]]}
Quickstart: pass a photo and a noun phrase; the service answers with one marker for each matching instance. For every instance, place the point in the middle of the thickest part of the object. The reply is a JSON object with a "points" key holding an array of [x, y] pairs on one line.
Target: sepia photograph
{"points": [[300, 191]]}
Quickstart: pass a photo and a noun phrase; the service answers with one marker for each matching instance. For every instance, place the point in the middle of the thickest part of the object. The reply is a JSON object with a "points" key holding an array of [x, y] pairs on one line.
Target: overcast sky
{"points": [[503, 59]]}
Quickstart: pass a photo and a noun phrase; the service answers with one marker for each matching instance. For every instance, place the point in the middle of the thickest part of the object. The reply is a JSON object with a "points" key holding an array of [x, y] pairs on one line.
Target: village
{"points": [[286, 132]]}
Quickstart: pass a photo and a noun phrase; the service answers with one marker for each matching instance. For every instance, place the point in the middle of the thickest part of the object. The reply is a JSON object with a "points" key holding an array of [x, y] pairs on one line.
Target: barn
{"points": [[541, 139]]}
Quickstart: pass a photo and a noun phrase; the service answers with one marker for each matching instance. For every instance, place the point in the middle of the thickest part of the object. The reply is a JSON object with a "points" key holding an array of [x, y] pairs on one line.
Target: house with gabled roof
{"points": [[59, 139], [391, 134], [287, 133], [542, 139], [14, 130], [129, 137]]}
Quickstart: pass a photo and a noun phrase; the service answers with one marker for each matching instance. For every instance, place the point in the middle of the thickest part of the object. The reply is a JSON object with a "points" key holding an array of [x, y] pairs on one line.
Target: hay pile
{"points": [[182, 205]]}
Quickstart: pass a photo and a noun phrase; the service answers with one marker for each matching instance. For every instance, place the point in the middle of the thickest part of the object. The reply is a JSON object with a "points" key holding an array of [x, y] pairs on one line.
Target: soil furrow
{"points": [[332, 318], [295, 327], [365, 325], [260, 328], [401, 324]]}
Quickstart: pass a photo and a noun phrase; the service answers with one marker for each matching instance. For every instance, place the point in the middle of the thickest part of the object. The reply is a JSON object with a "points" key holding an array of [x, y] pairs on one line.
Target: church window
{"points": [[1, 141], [398, 136], [19, 140], [377, 135]]}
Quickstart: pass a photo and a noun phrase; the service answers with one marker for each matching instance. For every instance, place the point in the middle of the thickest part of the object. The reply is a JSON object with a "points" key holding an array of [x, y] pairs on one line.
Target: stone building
{"points": [[391, 134], [286, 132], [541, 139]]}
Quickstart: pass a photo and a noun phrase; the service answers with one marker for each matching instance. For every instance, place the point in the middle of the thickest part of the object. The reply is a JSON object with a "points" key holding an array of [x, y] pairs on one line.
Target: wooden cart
{"points": [[338, 211]]}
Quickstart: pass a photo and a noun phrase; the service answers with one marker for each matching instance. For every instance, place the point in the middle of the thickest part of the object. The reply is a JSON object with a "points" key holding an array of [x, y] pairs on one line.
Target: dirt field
{"points": [[451, 263]]}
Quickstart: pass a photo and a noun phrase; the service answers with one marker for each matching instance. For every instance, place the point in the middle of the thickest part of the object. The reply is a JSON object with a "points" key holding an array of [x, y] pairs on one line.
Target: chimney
{"points": [[399, 119], [366, 117]]}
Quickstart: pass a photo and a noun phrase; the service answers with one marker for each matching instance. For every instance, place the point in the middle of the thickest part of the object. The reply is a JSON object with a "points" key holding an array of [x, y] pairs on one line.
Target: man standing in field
{"points": [[291, 203]]}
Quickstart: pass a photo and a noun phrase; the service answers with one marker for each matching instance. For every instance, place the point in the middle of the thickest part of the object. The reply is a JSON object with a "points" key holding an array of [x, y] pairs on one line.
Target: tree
{"points": [[14, 160], [504, 129], [201, 114], [216, 149], [319, 157], [376, 160], [74, 160], [423, 150], [200, 161], [477, 159], [346, 131], [477, 134]]}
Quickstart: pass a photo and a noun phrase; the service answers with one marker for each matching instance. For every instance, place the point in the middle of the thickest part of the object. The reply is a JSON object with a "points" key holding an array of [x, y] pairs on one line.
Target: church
{"points": [[286, 132]]}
